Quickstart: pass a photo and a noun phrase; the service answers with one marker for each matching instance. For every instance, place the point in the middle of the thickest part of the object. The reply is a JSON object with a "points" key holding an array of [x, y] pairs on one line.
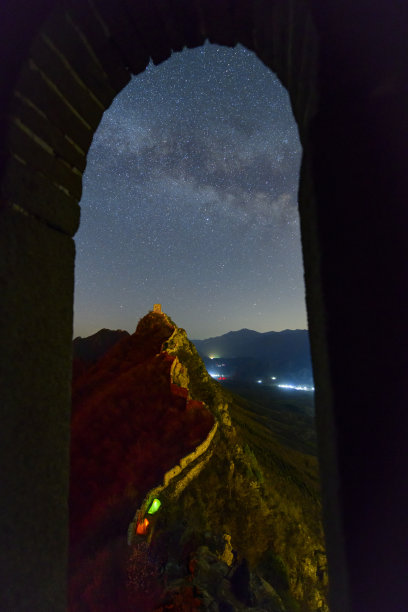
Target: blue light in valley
{"points": [[296, 387]]}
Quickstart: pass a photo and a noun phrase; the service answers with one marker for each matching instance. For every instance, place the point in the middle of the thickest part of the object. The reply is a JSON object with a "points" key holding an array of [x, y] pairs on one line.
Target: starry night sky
{"points": [[190, 200]]}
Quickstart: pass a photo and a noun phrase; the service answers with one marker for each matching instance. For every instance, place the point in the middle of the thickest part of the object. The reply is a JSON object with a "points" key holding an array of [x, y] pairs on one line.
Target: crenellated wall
{"points": [[174, 472]]}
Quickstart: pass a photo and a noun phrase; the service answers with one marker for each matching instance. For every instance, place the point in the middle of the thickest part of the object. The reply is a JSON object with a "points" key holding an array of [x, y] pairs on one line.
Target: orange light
{"points": [[141, 528]]}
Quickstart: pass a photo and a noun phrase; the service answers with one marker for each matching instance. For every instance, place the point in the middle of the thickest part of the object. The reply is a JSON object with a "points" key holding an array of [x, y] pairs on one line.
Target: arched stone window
{"points": [[62, 65]]}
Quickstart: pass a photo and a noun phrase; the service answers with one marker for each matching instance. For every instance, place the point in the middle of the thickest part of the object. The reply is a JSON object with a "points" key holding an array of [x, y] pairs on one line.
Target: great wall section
{"points": [[189, 467]]}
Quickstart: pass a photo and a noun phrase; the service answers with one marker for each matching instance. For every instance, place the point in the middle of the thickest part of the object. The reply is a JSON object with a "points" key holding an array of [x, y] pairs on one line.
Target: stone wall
{"points": [[179, 381], [185, 461], [170, 475]]}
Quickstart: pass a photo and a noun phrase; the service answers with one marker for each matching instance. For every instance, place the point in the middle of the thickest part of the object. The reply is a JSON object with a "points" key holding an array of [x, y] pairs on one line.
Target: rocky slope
{"points": [[239, 523]]}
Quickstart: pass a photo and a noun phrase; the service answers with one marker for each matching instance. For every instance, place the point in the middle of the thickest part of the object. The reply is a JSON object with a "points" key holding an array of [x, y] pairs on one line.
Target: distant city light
{"points": [[298, 388], [217, 376], [273, 377], [259, 381]]}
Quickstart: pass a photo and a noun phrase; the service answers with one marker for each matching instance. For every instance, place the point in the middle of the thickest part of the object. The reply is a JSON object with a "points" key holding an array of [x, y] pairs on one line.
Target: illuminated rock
{"points": [[227, 556]]}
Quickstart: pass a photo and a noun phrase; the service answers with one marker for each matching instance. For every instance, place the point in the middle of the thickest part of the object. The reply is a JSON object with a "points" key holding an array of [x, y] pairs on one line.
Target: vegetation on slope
{"points": [[244, 534], [261, 487]]}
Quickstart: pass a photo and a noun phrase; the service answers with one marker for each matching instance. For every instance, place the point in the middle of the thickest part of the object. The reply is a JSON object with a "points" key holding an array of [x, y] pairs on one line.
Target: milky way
{"points": [[190, 199]]}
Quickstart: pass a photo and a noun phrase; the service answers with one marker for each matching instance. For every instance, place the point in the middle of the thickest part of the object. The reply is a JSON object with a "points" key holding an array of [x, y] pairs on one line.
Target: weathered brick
{"points": [[52, 135], [23, 145], [190, 19], [286, 41], [36, 194], [61, 76], [172, 26], [243, 18], [35, 88], [218, 20], [71, 44], [124, 35], [36, 279], [306, 94], [87, 22], [149, 25], [272, 35], [302, 66]]}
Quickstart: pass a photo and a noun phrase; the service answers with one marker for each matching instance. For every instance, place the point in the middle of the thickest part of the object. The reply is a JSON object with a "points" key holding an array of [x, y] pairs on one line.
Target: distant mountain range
{"points": [[248, 354], [245, 355]]}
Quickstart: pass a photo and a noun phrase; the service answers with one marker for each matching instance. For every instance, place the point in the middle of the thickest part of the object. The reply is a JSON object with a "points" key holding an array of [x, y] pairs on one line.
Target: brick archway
{"points": [[65, 67]]}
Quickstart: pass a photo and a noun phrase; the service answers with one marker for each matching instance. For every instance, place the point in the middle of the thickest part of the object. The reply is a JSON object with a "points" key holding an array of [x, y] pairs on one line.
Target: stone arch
{"points": [[65, 67]]}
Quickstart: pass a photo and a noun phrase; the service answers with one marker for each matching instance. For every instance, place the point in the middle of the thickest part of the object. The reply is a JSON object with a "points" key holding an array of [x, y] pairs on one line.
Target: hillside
{"points": [[130, 424], [239, 523], [288, 414], [248, 354], [86, 351]]}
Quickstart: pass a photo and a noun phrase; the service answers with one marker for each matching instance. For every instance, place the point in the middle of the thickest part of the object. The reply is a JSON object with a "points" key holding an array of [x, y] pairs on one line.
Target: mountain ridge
{"points": [[246, 329], [253, 355], [245, 333]]}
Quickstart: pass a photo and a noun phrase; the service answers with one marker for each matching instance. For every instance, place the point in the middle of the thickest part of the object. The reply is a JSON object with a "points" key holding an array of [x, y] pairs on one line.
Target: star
{"points": [[196, 162]]}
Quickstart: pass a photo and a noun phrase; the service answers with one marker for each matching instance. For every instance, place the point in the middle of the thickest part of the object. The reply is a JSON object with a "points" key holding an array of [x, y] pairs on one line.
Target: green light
{"points": [[156, 503]]}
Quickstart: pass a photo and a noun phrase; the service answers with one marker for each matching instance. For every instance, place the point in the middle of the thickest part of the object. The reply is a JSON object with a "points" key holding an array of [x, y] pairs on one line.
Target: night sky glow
{"points": [[190, 200]]}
